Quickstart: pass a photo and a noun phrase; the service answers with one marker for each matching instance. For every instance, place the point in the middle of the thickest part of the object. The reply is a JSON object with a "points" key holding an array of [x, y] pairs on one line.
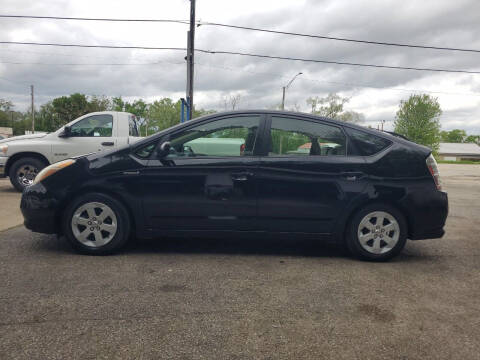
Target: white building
{"points": [[459, 151], [6, 132]]}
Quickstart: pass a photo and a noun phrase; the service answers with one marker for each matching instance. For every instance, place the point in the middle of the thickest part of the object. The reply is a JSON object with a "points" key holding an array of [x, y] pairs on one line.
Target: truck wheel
{"points": [[377, 232], [96, 224], [23, 172]]}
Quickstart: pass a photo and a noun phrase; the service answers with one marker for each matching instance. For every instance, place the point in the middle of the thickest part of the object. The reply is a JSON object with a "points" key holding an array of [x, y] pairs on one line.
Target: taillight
{"points": [[433, 168]]}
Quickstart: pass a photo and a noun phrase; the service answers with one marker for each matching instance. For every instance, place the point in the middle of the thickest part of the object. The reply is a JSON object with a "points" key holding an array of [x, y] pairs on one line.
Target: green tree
{"points": [[473, 139], [99, 103], [162, 114], [64, 109], [5, 115], [418, 118], [453, 136], [332, 106]]}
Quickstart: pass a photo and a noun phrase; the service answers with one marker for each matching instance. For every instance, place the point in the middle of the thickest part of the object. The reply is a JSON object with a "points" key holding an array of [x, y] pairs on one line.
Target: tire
{"points": [[23, 172], [96, 224], [368, 240]]}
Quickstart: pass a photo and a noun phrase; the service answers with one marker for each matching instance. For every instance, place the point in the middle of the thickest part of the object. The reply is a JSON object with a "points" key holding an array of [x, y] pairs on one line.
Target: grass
{"points": [[458, 162]]}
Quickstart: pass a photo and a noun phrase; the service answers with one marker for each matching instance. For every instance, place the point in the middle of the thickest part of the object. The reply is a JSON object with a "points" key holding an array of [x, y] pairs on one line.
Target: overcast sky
{"points": [[374, 92]]}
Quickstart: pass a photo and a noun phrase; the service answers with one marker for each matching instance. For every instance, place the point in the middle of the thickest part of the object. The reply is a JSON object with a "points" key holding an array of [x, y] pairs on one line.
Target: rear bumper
{"points": [[3, 162], [39, 210], [428, 213]]}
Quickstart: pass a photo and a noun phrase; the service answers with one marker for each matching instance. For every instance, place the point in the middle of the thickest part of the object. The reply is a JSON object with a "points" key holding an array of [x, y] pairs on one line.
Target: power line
{"points": [[94, 46], [95, 19], [339, 38], [335, 82], [82, 64], [236, 70], [338, 62], [280, 32], [246, 54]]}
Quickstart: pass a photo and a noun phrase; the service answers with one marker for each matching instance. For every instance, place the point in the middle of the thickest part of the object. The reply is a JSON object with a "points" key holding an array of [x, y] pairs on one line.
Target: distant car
{"points": [[23, 157], [246, 174], [1, 137]]}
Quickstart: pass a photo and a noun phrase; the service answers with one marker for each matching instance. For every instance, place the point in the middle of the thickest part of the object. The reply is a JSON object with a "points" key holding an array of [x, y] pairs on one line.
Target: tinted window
{"points": [[132, 126], [93, 126], [294, 137], [366, 144], [235, 136]]}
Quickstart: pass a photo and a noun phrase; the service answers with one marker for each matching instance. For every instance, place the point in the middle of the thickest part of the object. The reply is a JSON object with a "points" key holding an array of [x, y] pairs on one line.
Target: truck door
{"points": [[91, 134]]}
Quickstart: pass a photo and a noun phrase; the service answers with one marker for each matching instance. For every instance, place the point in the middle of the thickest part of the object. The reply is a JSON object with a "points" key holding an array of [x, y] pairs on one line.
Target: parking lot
{"points": [[237, 299]]}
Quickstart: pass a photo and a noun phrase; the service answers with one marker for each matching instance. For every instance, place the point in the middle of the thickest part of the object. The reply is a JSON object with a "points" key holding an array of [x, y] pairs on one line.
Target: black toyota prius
{"points": [[246, 173]]}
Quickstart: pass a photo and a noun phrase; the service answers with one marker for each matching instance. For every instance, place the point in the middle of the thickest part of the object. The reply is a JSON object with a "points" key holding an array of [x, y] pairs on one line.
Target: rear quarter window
{"points": [[132, 126], [365, 144]]}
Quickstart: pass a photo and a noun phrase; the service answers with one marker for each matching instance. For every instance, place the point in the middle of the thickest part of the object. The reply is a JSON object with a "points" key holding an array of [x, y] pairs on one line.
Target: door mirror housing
{"points": [[164, 149], [67, 132]]}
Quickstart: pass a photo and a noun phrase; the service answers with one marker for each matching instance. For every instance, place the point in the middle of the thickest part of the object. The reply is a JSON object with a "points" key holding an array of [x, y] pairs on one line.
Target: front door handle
{"points": [[352, 175], [242, 176], [108, 143]]}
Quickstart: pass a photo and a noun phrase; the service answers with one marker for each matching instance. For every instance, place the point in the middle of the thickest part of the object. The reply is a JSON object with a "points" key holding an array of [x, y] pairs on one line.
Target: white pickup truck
{"points": [[22, 157]]}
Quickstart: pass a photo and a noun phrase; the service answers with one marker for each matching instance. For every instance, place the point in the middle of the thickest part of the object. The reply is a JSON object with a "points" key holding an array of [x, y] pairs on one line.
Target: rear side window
{"points": [[295, 137], [366, 144]]}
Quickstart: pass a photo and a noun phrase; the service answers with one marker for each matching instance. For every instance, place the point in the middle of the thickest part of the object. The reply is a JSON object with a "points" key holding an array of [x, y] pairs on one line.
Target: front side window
{"points": [[366, 144], [93, 126], [294, 137], [146, 151], [234, 136]]}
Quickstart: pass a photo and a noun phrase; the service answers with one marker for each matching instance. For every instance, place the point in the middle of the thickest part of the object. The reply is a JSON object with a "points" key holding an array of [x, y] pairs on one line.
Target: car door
{"points": [[90, 134], [305, 180], [208, 180]]}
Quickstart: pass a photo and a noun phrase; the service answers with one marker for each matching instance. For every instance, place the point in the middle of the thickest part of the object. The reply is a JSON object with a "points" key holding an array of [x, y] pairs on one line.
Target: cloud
{"points": [[374, 92]]}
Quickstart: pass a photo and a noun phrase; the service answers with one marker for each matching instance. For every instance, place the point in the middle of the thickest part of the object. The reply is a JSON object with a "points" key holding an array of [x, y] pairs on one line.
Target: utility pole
{"points": [[286, 87], [33, 111], [190, 59]]}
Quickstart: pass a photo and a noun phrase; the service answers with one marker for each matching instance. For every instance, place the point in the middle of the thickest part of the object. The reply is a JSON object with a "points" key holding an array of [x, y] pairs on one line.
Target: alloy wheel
{"points": [[94, 224], [378, 232]]}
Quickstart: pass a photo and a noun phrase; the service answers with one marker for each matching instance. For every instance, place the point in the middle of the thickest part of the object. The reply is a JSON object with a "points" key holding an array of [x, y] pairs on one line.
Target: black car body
{"points": [[279, 183]]}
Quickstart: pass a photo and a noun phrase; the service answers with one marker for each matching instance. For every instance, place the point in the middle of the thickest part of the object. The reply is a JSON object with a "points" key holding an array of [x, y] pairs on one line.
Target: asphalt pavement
{"points": [[255, 299]]}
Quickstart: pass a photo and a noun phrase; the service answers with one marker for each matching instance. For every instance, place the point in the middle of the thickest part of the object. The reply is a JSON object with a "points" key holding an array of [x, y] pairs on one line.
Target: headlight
{"points": [[3, 149], [52, 169]]}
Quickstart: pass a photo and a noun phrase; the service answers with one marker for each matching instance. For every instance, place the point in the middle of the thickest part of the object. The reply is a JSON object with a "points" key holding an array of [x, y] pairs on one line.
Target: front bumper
{"points": [[39, 209], [3, 162]]}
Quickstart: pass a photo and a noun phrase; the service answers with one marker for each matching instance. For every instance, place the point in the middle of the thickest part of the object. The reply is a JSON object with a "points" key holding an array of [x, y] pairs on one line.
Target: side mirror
{"points": [[164, 149], [67, 131]]}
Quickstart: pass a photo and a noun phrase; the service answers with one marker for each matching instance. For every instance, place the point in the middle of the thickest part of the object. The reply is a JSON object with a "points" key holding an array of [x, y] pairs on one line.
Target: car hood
{"points": [[23, 137]]}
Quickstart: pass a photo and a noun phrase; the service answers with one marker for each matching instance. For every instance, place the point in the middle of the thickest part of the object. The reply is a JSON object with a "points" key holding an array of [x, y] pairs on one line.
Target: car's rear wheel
{"points": [[23, 171], [96, 224], [377, 232]]}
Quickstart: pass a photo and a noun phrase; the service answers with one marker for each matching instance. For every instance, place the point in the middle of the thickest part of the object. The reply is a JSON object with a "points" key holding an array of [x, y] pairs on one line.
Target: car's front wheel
{"points": [[377, 232], [96, 224]]}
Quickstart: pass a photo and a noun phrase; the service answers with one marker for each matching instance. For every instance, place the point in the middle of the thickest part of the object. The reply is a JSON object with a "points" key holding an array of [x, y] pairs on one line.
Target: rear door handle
{"points": [[108, 143], [242, 176]]}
